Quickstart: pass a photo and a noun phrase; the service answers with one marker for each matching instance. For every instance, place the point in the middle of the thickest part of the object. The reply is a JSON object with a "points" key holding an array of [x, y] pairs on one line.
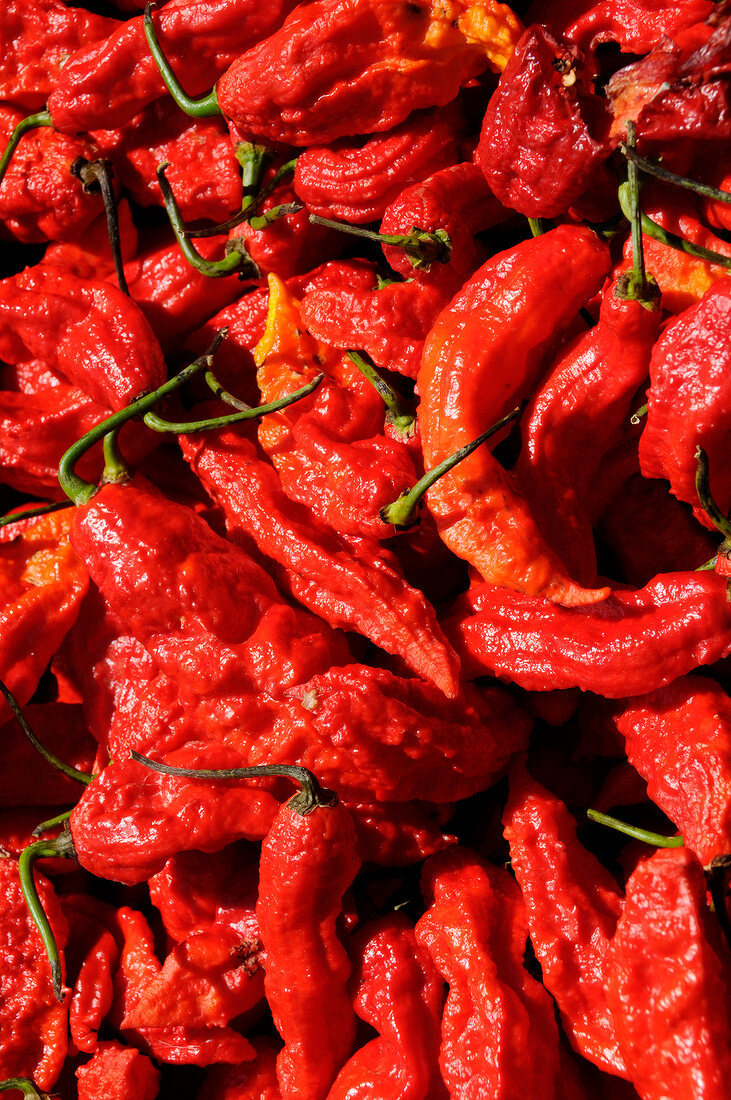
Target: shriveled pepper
{"points": [[486, 351], [409, 56], [636, 641], [308, 860], [572, 906], [499, 1034], [679, 739], [667, 982]]}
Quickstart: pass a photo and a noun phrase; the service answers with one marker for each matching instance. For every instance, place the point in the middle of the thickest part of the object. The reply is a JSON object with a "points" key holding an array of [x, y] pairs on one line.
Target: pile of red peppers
{"points": [[365, 630]]}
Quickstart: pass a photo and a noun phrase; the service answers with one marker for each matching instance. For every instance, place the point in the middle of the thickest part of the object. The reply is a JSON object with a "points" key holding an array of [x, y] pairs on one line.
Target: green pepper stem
{"points": [[250, 204], [50, 757], [635, 285], [537, 226], [215, 386], [400, 513], [422, 248], [94, 176], [152, 420], [205, 107], [115, 469], [672, 240], [653, 168], [645, 835], [311, 795], [402, 421], [703, 489], [30, 122], [80, 491], [261, 221], [24, 1085], [60, 848], [236, 261], [52, 823], [29, 513], [638, 414]]}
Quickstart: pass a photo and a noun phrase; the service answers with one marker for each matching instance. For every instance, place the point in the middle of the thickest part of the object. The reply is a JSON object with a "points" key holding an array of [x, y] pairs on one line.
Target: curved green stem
{"points": [[311, 795], [251, 202], [188, 427], [703, 489], [636, 833], [215, 386], [672, 240], [115, 468], [652, 168], [635, 285], [52, 822], [537, 226], [29, 513], [236, 261], [206, 106], [50, 757], [30, 122], [80, 491], [94, 176], [60, 848], [401, 420], [24, 1085], [261, 221], [422, 248], [400, 513]]}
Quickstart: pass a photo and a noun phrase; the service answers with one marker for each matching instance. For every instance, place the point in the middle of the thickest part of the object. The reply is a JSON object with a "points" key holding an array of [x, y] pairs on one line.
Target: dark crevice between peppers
{"points": [[66, 769]]}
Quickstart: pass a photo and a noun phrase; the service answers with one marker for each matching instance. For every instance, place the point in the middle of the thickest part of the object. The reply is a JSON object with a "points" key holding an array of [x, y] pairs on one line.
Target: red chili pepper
{"points": [[356, 180], [351, 587], [307, 863], [34, 1041], [397, 834], [542, 137], [484, 353], [255, 1080], [117, 1072], [634, 642], [679, 739], [399, 992], [572, 905], [409, 56], [105, 84], [690, 389], [499, 1034], [571, 423], [667, 982]]}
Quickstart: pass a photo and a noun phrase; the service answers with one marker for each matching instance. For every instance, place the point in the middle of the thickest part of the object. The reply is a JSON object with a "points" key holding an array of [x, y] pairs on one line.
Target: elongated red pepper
{"points": [[636, 641], [572, 905], [485, 352], [679, 739], [667, 982], [351, 590], [409, 56], [573, 420], [400, 993], [499, 1034], [307, 862]]}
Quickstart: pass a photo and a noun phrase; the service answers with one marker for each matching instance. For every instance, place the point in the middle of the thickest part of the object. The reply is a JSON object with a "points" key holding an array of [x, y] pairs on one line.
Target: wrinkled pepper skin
{"points": [[484, 354], [679, 739], [40, 200], [33, 1042], [117, 1072], [688, 400], [499, 1034], [572, 906], [131, 820], [43, 584], [536, 147], [351, 587], [217, 624], [355, 181], [255, 1080], [38, 37], [90, 332], [667, 982], [573, 420], [307, 863], [400, 993], [305, 85], [105, 84], [636, 641]]}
